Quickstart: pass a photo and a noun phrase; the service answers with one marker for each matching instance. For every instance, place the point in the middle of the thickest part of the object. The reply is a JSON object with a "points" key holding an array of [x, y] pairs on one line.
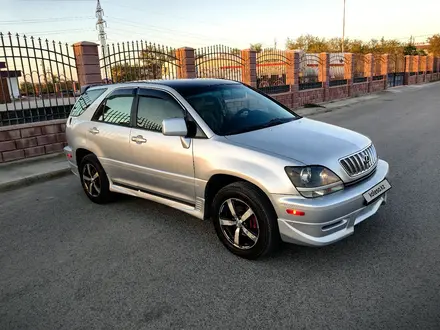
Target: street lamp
{"points": [[343, 28]]}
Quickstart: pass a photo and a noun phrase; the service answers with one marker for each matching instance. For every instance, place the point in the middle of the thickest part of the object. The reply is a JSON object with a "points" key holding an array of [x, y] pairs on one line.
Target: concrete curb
{"points": [[32, 179]]}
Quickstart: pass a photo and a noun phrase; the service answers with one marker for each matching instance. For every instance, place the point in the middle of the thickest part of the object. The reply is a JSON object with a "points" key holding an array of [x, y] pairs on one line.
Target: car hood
{"points": [[305, 140]]}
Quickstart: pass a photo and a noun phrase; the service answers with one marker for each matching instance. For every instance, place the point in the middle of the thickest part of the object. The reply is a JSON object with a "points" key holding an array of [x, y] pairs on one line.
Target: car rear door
{"points": [[109, 133], [163, 164]]}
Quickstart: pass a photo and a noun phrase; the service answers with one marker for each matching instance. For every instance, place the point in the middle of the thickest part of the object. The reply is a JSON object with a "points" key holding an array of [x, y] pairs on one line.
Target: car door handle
{"points": [[94, 130], [138, 139]]}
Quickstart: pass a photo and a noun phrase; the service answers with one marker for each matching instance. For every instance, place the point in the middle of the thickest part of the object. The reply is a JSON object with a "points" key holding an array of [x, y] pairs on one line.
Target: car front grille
{"points": [[360, 162]]}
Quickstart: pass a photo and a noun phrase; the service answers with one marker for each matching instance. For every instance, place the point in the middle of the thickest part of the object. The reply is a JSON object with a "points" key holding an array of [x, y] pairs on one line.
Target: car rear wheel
{"points": [[94, 180], [245, 221]]}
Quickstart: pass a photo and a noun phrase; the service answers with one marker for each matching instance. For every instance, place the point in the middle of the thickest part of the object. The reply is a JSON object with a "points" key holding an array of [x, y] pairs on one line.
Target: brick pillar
{"points": [[369, 69], [349, 72], [249, 71], [422, 66], [292, 75], [416, 66], [384, 69], [324, 74], [87, 63], [408, 68], [186, 58]]}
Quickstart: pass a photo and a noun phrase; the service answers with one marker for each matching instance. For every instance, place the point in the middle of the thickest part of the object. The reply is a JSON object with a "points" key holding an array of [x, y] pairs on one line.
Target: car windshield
{"points": [[234, 108]]}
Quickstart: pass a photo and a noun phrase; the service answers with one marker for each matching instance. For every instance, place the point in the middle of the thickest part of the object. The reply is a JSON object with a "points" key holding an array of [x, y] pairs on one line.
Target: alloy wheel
{"points": [[239, 223], [91, 180]]}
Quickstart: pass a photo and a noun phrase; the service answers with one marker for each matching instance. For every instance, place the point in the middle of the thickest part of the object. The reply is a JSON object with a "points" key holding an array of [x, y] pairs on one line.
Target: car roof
{"points": [[177, 84]]}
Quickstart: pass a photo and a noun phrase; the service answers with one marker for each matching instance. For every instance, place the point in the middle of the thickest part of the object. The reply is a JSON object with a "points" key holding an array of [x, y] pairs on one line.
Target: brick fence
{"points": [[31, 140]]}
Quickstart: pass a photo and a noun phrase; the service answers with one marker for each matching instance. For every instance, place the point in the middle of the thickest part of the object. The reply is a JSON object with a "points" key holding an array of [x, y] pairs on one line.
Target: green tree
{"points": [[434, 44], [258, 47], [125, 72], [308, 43]]}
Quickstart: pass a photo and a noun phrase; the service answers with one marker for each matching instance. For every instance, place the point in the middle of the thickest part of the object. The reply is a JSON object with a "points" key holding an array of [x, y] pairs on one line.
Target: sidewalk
{"points": [[22, 173]]}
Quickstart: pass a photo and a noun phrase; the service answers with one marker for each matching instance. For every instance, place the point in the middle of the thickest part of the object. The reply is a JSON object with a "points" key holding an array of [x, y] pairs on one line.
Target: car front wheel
{"points": [[245, 221]]}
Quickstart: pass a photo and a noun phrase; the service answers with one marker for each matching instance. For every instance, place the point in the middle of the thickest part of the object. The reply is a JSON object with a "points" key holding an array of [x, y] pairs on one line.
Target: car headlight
{"points": [[314, 181]]}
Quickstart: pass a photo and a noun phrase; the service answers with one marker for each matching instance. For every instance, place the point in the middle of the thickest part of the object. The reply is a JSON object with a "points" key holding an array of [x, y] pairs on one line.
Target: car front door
{"points": [[109, 133], [163, 164]]}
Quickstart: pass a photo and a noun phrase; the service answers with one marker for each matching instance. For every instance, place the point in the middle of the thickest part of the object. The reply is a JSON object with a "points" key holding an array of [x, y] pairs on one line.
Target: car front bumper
{"points": [[330, 218]]}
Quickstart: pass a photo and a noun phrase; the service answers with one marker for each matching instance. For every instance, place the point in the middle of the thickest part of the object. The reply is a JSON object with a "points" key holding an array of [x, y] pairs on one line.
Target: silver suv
{"points": [[219, 149]]}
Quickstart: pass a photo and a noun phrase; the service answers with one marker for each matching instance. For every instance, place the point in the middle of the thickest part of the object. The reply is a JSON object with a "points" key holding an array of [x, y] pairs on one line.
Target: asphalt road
{"points": [[66, 263]]}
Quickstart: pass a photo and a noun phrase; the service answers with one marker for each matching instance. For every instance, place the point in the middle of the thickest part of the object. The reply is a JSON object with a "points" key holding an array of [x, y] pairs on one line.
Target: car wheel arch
{"points": [[218, 181]]}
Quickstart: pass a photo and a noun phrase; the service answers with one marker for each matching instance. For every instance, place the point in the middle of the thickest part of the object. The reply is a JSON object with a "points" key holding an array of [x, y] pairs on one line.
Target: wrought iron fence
{"points": [[339, 82], [138, 60], [377, 67], [360, 60], [309, 65], [219, 62], [396, 70], [337, 68], [272, 67], [38, 79]]}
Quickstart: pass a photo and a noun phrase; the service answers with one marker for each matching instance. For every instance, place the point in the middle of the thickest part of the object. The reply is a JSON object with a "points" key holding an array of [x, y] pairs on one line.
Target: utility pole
{"points": [[101, 23], [343, 29]]}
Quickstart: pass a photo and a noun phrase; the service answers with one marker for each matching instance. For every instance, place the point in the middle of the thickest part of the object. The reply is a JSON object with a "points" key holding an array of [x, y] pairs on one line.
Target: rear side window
{"points": [[117, 110], [85, 100]]}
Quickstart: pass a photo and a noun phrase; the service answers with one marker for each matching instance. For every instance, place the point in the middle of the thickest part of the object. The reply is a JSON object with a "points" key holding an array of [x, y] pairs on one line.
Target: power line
{"points": [[45, 20]]}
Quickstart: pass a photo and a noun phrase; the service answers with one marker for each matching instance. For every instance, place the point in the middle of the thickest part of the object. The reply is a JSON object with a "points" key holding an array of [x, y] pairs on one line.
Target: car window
{"points": [[234, 108], [85, 101], [152, 110], [117, 110]]}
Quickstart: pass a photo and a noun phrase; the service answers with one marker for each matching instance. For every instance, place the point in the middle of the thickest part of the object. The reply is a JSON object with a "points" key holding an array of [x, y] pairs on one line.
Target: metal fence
{"points": [[272, 71], [38, 79], [377, 67], [219, 62], [138, 60], [309, 71], [359, 67], [396, 70], [337, 69]]}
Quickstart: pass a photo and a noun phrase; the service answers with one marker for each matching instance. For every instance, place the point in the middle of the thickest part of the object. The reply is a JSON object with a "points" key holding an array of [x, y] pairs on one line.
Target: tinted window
{"points": [[117, 110], [85, 100], [152, 110], [234, 108]]}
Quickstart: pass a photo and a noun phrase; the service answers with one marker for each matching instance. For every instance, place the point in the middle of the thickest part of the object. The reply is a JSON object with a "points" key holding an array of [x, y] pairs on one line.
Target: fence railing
{"points": [[38, 79], [337, 67], [138, 60], [272, 67], [359, 66], [219, 62]]}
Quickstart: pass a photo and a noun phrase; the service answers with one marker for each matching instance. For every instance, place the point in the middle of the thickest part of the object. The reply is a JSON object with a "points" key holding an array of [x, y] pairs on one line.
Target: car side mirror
{"points": [[174, 127]]}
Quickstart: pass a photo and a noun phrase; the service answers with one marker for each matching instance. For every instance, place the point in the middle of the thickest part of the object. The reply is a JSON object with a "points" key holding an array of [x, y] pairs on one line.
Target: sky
{"points": [[235, 23]]}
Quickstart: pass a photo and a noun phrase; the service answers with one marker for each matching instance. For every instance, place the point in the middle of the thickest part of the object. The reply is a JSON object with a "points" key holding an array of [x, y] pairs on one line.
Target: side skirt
{"points": [[196, 211]]}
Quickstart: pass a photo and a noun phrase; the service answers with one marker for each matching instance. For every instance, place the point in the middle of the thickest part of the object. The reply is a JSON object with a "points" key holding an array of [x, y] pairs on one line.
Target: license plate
{"points": [[377, 191]]}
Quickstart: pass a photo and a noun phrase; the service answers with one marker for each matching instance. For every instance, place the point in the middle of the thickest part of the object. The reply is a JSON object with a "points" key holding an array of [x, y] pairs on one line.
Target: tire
{"points": [[100, 191], [262, 224]]}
